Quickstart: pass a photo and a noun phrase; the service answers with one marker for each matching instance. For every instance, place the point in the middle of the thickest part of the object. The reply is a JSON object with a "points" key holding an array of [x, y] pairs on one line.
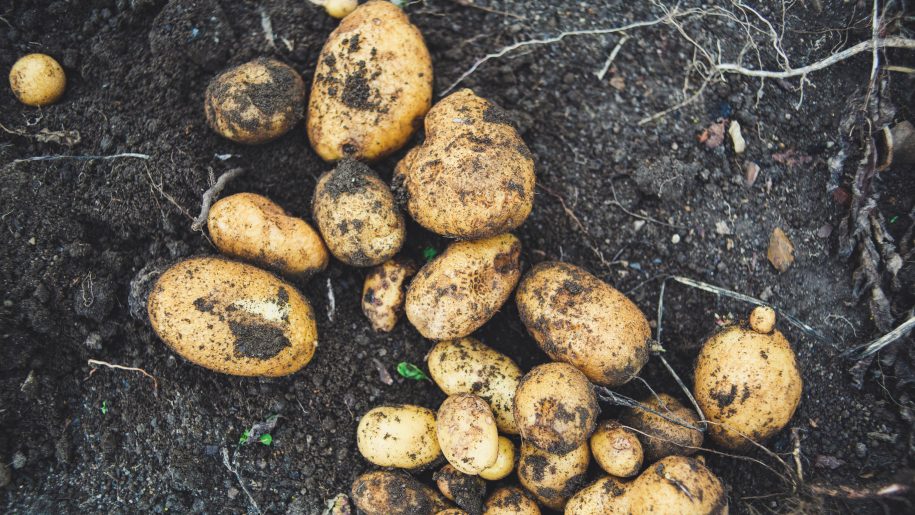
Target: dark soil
{"points": [[77, 232]]}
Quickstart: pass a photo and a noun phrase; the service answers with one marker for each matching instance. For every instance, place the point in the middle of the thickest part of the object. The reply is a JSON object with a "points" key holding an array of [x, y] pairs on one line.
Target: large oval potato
{"points": [[677, 485], [400, 436], [372, 85], [467, 433], [662, 437], [233, 318], [464, 490], [394, 493], [355, 212], [252, 227], [553, 478], [505, 462], [510, 500], [616, 449], [606, 496], [473, 176], [460, 290], [466, 365], [579, 319]]}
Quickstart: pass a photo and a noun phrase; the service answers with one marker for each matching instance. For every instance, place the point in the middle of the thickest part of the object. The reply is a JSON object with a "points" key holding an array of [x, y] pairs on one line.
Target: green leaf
{"points": [[104, 407], [411, 371], [244, 437], [266, 439], [893, 220], [429, 253]]}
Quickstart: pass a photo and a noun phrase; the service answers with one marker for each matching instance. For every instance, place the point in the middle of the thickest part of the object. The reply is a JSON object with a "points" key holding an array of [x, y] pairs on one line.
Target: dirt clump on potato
{"points": [[394, 493], [465, 490]]}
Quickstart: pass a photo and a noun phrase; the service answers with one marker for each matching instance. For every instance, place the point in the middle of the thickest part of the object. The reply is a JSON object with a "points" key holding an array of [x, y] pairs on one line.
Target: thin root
{"points": [[94, 363]]}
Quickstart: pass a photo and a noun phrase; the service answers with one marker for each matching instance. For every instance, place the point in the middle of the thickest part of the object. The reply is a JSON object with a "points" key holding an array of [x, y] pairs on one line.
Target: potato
{"points": [[463, 489], [616, 449], [467, 433], [664, 437], [400, 436], [510, 500], [555, 408], [340, 8], [355, 212], [460, 290], [505, 462], [606, 496], [553, 478], [37, 80], [255, 102], [747, 383], [394, 493], [452, 511], [677, 485], [466, 365], [233, 318], [579, 319], [254, 228], [372, 85], [383, 293]]}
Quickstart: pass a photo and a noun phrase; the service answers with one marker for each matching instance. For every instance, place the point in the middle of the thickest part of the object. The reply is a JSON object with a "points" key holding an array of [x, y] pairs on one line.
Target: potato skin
{"points": [[579, 319], [394, 493], [505, 462], [466, 365], [254, 228], [355, 212], [463, 489], [606, 496], [461, 289], [37, 80], [664, 437], [372, 85], [616, 449], [473, 176], [255, 102], [677, 485], [555, 408], [383, 293], [467, 433], [400, 436], [553, 478], [510, 500], [233, 318]]}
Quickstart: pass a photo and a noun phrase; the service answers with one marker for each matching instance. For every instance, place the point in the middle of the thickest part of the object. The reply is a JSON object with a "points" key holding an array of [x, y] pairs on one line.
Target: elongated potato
{"points": [[606, 496], [467, 433], [662, 437], [252, 227], [394, 493], [677, 485], [372, 85], [464, 490], [616, 449], [400, 436], [553, 478], [383, 293], [460, 290], [579, 319], [505, 462], [510, 500], [466, 365], [233, 318]]}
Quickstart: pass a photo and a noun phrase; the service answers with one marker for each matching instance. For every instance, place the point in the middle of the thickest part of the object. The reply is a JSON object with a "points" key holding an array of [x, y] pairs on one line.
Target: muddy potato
{"points": [[372, 85], [254, 228], [473, 176], [616, 449], [555, 407], [460, 290], [233, 318], [464, 490], [467, 433], [553, 478], [383, 293], [466, 365], [394, 493], [505, 462], [664, 437], [355, 212], [747, 382], [510, 500], [37, 80], [677, 485], [255, 102], [400, 436], [452, 511], [579, 319], [606, 496]]}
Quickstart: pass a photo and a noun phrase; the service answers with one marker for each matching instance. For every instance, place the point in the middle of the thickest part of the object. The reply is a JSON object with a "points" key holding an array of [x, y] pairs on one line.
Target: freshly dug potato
{"points": [[579, 319], [460, 290], [372, 85], [340, 8], [466, 365], [255, 102], [664, 437], [400, 436], [452, 511], [464, 490], [467, 433], [383, 293], [394, 493], [505, 462], [555, 408], [37, 80], [233, 318], [553, 478], [616, 449], [254, 228], [473, 177], [747, 383], [510, 500], [677, 485], [355, 212], [606, 496]]}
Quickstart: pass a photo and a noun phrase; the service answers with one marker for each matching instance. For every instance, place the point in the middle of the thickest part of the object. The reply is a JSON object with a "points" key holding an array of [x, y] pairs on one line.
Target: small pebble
{"points": [[18, 460], [675, 239]]}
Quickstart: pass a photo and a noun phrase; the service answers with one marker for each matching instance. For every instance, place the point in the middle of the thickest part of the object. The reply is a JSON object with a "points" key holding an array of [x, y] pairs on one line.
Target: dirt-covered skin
{"points": [[661, 436], [465, 490]]}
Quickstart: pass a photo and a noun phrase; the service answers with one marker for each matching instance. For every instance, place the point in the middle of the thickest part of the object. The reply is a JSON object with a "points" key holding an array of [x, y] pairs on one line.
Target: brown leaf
{"points": [[781, 250]]}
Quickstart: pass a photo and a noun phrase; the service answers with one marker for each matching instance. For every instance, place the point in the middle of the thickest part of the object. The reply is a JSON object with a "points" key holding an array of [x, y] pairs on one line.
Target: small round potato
{"points": [[233, 318], [466, 365], [400, 436], [394, 493], [555, 408], [37, 80], [579, 319], [460, 290], [663, 437], [254, 228], [383, 293], [464, 490], [677, 485], [553, 478], [762, 319], [340, 8], [355, 212], [255, 102], [606, 496], [510, 500], [467, 433], [616, 449], [505, 462]]}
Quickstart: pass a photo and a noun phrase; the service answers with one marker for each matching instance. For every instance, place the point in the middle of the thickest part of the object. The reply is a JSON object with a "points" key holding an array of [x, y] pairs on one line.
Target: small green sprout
{"points": [[411, 371], [244, 437], [894, 218], [429, 253], [104, 407], [266, 439]]}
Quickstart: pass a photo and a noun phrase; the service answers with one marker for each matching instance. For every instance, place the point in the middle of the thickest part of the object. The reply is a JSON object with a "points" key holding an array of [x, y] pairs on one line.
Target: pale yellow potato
{"points": [[355, 212], [340, 8], [677, 485], [616, 449], [255, 102], [661, 437], [233, 318], [762, 319], [473, 176], [461, 289], [579, 319], [606, 496], [37, 80], [466, 365], [553, 478], [555, 407], [372, 85], [505, 462], [510, 500], [383, 293], [465, 490], [386, 492], [467, 433], [254, 228], [401, 436]]}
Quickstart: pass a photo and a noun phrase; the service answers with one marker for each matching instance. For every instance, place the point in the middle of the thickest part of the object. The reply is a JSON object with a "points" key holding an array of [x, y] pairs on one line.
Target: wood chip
{"points": [[781, 250]]}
